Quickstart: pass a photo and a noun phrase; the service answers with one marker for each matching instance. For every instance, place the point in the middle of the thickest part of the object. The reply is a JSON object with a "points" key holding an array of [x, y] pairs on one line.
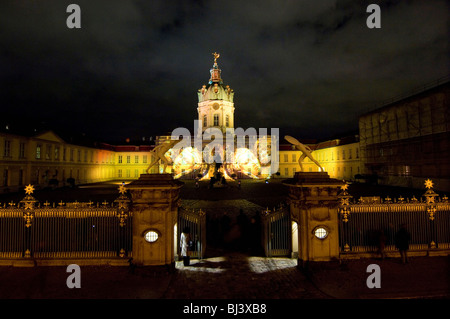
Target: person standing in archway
{"points": [[185, 239]]}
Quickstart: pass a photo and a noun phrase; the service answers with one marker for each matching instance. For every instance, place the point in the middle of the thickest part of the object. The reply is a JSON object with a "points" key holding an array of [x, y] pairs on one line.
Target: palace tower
{"points": [[215, 102]]}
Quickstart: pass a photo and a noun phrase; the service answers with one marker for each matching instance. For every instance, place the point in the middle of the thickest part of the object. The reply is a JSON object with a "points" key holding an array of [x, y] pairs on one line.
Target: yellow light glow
{"points": [[246, 162], [187, 161]]}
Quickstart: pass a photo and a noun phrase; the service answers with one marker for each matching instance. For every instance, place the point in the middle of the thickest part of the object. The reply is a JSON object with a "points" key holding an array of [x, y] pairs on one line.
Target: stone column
{"points": [[155, 200], [314, 205]]}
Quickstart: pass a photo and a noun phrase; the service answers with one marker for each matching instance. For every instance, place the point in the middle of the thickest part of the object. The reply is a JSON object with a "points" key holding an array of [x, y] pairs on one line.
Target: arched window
{"points": [[216, 119], [205, 122]]}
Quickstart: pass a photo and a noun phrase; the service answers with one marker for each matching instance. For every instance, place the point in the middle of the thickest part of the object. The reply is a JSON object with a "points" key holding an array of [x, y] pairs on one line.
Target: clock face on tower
{"points": [[216, 106]]}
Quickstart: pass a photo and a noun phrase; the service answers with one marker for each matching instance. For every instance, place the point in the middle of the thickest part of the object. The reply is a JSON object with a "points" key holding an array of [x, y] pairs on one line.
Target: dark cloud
{"points": [[310, 67]]}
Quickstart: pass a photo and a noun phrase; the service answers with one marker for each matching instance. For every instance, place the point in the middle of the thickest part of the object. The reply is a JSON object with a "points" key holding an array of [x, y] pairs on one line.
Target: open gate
{"points": [[196, 221], [277, 232]]}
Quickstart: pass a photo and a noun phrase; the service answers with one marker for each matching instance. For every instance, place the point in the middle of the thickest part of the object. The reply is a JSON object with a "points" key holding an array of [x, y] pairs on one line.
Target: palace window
{"points": [[57, 153], [293, 157], [144, 159], [151, 236], [357, 152], [5, 177], [119, 173], [320, 232], [48, 151], [128, 159], [286, 158], [7, 151], [120, 159], [22, 150], [136, 159], [227, 121], [205, 121], [216, 119], [286, 171], [38, 151]]}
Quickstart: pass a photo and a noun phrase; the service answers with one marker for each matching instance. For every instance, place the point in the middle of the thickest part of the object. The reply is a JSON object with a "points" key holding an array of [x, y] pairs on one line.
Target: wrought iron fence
{"points": [[66, 230], [369, 223]]}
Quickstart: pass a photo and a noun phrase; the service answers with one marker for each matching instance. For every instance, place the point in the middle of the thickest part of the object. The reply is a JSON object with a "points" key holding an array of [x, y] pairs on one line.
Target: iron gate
{"points": [[277, 234], [196, 222]]}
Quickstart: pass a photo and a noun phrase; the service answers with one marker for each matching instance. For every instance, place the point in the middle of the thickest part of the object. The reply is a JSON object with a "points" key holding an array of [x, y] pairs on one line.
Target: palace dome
{"points": [[215, 89]]}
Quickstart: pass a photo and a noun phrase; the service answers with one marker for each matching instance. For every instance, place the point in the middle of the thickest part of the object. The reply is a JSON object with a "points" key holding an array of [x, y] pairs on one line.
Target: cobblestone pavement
{"points": [[238, 276]]}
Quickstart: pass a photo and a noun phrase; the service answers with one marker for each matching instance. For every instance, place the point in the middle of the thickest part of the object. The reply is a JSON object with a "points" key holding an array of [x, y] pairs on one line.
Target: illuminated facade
{"points": [[340, 158], [47, 160], [401, 144]]}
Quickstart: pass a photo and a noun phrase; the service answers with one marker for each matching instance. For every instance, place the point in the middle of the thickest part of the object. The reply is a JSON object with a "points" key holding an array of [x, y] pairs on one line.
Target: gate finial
{"points": [[29, 189]]}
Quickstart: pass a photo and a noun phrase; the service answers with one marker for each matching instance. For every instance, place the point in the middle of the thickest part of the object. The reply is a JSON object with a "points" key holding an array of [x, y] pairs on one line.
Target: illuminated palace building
{"points": [[401, 144]]}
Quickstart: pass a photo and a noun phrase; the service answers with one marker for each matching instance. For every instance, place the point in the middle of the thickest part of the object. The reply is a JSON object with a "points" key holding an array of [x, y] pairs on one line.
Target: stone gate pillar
{"points": [[314, 205], [155, 200]]}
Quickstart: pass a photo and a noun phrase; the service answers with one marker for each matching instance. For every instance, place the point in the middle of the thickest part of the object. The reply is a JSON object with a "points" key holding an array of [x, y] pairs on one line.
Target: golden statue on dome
{"points": [[216, 56]]}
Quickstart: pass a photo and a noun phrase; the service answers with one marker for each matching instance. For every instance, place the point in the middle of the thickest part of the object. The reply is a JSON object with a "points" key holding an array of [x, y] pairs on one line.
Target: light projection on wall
{"points": [[246, 162], [187, 161], [242, 161]]}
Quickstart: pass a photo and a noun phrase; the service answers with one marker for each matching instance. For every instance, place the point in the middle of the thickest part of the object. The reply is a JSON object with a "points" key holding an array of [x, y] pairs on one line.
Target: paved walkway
{"points": [[235, 276], [238, 276]]}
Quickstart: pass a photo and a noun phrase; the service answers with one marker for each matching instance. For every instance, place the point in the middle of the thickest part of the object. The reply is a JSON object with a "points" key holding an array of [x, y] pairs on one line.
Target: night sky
{"points": [[307, 67]]}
